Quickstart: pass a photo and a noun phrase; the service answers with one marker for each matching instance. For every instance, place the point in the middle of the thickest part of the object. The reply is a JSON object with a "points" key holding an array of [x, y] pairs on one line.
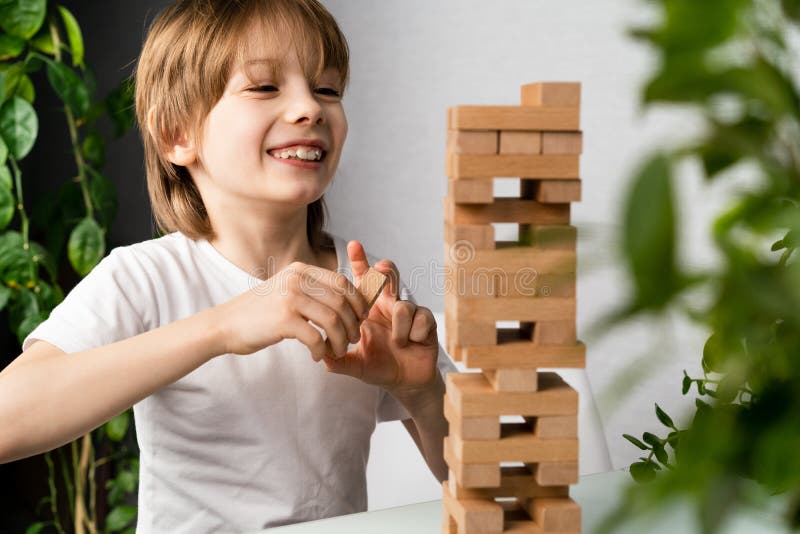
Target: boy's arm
{"points": [[427, 425], [49, 398]]}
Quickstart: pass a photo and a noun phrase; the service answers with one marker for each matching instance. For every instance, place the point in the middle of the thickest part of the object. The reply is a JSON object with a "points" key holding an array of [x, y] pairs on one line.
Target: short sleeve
{"points": [[389, 408], [99, 310]]}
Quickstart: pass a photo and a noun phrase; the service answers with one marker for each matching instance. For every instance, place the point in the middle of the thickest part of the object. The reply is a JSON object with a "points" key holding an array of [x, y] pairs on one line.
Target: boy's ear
{"points": [[179, 148]]}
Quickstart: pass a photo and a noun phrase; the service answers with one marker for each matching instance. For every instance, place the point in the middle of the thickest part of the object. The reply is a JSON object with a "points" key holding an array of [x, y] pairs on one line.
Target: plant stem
{"points": [[67, 482], [73, 132], [21, 209], [51, 482]]}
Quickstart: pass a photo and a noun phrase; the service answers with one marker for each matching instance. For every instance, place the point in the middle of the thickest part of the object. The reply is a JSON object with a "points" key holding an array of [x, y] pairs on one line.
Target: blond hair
{"points": [[183, 69]]}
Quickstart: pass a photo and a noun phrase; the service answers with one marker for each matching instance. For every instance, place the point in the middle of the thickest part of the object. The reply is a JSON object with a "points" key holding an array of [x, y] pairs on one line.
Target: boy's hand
{"points": [[399, 345]]}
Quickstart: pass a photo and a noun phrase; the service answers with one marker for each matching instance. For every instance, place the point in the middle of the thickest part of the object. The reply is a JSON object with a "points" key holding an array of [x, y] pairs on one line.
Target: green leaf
{"points": [[19, 126], [5, 294], [14, 260], [3, 157], [649, 234], [10, 78], [636, 442], [25, 89], [117, 427], [22, 18], [651, 439], [28, 324], [93, 149], [10, 46], [120, 107], [43, 42], [74, 35], [104, 198], [661, 454], [642, 471], [687, 383], [664, 418], [120, 517], [7, 206], [86, 246], [35, 528], [69, 87]]}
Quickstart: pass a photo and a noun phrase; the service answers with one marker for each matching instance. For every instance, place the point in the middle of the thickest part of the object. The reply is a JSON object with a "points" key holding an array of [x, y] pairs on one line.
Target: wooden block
{"points": [[471, 190], [473, 516], [472, 395], [471, 475], [486, 427], [562, 142], [468, 333], [514, 482], [459, 282], [521, 354], [555, 473], [554, 426], [500, 308], [516, 444], [517, 142], [475, 142], [506, 209], [548, 236], [551, 191], [370, 286], [558, 514], [533, 284], [514, 261], [555, 118], [555, 333], [449, 525], [546, 166], [478, 236], [561, 94], [503, 379]]}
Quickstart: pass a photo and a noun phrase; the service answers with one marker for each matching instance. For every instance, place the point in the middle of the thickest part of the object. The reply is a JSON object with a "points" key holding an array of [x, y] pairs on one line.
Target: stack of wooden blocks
{"points": [[512, 476]]}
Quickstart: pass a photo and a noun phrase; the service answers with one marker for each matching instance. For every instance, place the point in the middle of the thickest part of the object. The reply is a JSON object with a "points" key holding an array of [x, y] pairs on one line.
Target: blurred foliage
{"points": [[35, 37], [734, 64]]}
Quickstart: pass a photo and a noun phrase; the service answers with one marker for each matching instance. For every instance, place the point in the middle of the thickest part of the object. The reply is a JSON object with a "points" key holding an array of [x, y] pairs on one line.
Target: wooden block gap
{"points": [[506, 232], [506, 187]]}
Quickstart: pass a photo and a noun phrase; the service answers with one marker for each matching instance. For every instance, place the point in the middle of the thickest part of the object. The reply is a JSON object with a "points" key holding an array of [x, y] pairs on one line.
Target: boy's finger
{"points": [[392, 287], [358, 259]]}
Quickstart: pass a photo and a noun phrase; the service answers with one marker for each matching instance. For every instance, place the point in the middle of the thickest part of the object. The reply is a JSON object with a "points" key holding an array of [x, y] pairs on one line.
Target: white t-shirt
{"points": [[242, 442]]}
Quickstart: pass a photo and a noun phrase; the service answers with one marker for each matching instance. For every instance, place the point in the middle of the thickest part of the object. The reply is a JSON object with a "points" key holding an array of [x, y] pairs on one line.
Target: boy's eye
{"points": [[266, 88], [328, 91]]}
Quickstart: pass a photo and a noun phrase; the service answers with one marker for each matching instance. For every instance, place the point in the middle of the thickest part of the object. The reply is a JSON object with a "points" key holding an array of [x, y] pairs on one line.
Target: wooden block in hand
{"points": [[370, 287], [547, 94]]}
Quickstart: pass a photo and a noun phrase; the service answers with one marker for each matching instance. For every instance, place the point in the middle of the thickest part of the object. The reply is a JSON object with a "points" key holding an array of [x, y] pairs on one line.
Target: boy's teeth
{"points": [[304, 153]]}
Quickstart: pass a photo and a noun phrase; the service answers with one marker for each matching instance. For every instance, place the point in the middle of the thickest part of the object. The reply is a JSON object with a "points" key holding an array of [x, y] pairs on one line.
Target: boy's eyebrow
{"points": [[273, 64]]}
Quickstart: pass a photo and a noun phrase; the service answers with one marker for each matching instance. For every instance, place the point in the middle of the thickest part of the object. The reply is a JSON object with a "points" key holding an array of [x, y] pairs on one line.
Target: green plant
{"points": [[35, 37], [733, 63]]}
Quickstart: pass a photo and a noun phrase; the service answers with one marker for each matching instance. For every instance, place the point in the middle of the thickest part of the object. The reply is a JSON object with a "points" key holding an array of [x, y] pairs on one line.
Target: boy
{"points": [[239, 105]]}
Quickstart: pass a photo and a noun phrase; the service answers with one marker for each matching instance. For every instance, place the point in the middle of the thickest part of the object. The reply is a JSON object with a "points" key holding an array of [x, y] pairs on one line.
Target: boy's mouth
{"points": [[299, 152]]}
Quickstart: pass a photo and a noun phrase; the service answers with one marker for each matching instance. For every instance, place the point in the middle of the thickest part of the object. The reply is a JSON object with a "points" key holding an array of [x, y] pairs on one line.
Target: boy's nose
{"points": [[303, 107]]}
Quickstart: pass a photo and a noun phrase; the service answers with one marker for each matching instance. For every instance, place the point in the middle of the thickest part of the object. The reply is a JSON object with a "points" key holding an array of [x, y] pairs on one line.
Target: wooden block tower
{"points": [[512, 476]]}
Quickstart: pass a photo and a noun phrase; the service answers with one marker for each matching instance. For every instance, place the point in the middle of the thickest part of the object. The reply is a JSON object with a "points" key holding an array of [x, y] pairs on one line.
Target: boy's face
{"points": [[261, 118]]}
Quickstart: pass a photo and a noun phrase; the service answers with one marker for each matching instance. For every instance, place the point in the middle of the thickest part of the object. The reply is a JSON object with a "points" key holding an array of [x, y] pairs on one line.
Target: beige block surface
{"points": [[555, 118], [474, 142], [520, 142], [545, 166]]}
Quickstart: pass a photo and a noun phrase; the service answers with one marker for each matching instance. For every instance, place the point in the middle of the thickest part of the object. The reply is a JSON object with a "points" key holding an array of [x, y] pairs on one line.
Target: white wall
{"points": [[411, 60]]}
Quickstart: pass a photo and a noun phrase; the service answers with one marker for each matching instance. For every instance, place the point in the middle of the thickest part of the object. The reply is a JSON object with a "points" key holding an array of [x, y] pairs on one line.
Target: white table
{"points": [[597, 494]]}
